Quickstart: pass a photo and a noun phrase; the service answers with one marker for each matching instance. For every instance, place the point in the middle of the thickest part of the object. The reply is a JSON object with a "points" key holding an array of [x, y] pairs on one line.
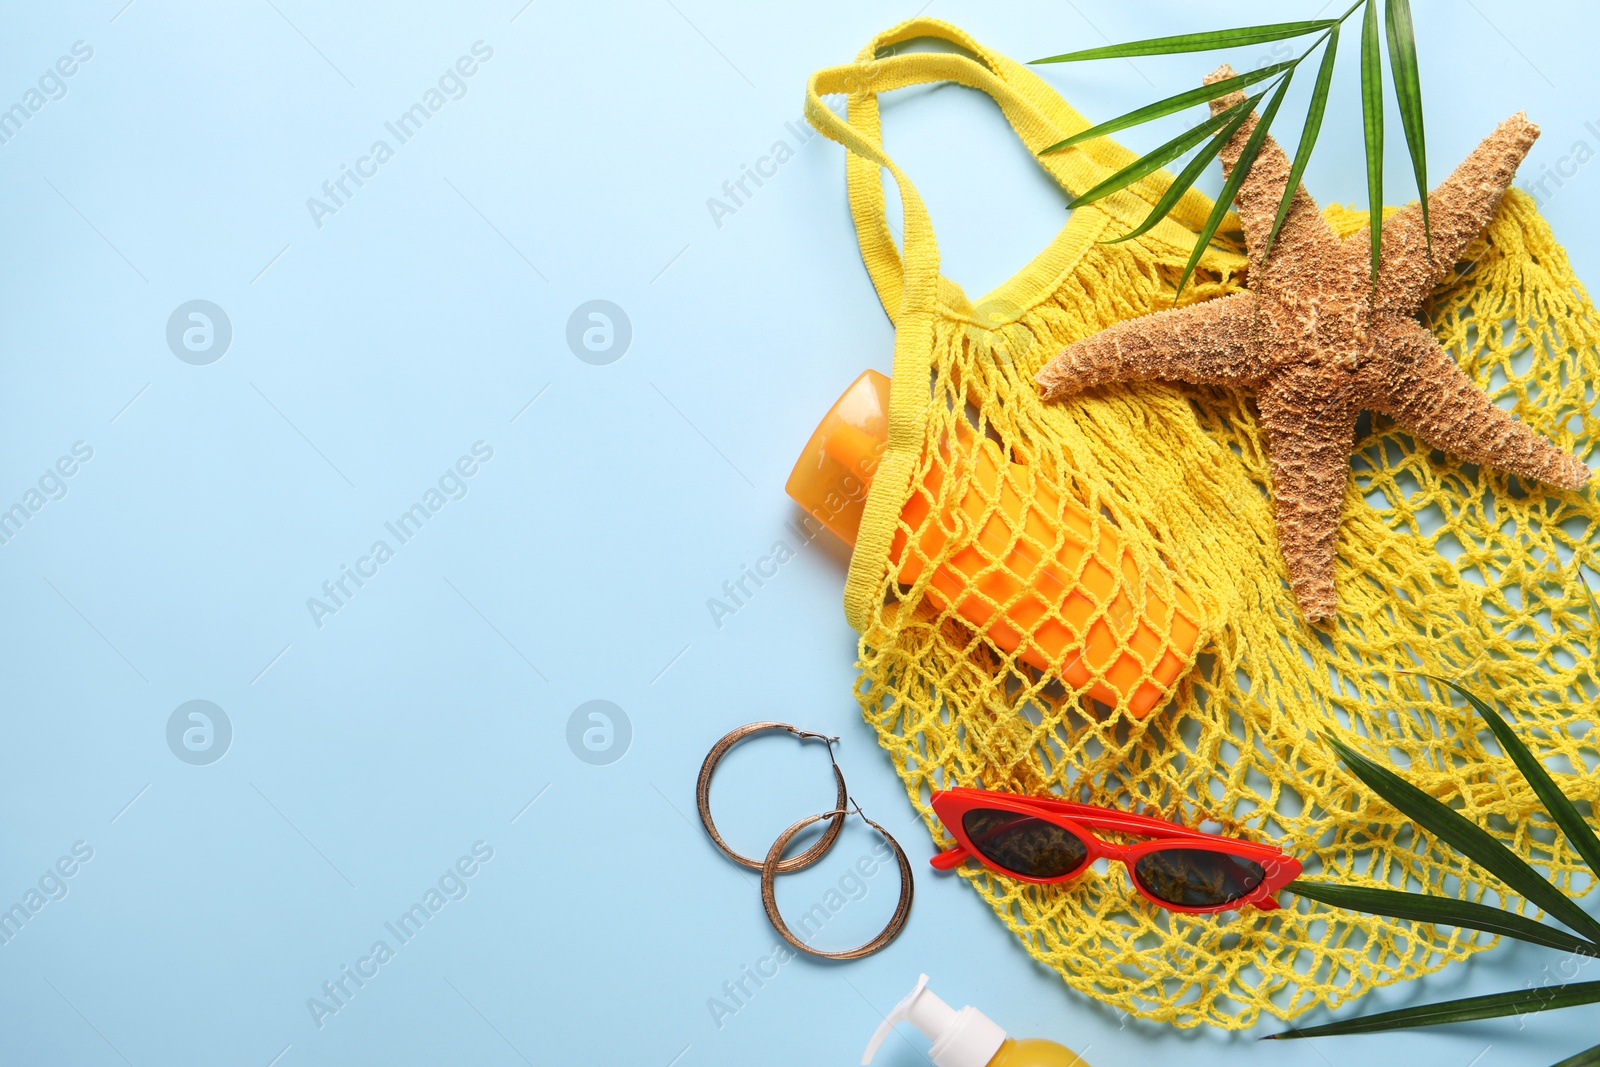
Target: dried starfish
{"points": [[1318, 342]]}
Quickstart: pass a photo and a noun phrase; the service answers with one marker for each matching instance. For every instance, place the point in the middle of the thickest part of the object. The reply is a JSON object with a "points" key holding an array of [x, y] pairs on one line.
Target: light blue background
{"points": [[367, 355]]}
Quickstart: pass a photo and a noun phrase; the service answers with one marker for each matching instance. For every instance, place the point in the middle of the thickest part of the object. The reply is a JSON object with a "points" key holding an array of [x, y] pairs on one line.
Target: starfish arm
{"points": [[1208, 343], [1305, 232], [1309, 438], [1458, 210], [1424, 390]]}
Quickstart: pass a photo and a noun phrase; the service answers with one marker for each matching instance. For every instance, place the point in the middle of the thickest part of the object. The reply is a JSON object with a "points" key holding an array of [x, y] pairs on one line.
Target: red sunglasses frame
{"points": [[950, 805]]}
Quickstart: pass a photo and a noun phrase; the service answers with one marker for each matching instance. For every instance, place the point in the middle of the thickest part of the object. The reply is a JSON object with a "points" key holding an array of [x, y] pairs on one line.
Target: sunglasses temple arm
{"points": [[1283, 874], [950, 858]]}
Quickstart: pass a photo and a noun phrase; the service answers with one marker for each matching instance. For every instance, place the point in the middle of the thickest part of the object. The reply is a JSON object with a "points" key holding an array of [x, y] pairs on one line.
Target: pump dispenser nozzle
{"points": [[965, 1038]]}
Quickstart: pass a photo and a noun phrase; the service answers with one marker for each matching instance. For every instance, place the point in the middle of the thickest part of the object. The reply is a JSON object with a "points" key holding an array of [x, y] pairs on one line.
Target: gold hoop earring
{"points": [[773, 866], [703, 798]]}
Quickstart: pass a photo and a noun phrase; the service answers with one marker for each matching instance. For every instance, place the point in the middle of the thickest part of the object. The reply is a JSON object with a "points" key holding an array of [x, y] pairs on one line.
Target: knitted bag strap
{"points": [[1039, 116], [912, 289]]}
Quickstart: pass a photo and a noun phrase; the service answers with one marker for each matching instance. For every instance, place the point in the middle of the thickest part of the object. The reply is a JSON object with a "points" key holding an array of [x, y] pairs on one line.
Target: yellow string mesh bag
{"points": [[1444, 569]]}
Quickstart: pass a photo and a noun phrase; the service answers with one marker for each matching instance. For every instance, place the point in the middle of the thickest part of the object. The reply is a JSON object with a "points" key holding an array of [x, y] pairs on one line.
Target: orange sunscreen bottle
{"points": [[967, 1038], [1002, 576]]}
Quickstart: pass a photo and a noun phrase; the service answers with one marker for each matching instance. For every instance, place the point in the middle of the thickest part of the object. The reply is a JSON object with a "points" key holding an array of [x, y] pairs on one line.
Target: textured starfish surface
{"points": [[1318, 342]]}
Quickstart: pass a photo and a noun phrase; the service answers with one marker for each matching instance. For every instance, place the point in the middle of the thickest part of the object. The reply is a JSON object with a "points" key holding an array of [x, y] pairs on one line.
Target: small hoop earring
{"points": [[773, 867], [703, 798]]}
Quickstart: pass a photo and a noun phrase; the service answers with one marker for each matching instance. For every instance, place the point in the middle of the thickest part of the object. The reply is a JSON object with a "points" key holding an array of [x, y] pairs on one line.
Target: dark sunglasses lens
{"points": [[1197, 877], [1023, 844]]}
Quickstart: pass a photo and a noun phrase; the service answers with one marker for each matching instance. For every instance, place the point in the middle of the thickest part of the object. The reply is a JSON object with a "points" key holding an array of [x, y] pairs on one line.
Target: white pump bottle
{"points": [[967, 1038]]}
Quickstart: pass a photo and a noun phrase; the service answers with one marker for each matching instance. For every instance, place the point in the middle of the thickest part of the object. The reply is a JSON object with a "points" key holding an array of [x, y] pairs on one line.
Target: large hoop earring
{"points": [[773, 866], [703, 798]]}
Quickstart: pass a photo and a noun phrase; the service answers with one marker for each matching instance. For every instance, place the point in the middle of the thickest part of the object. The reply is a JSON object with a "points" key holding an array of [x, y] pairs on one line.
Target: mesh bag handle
{"points": [[1034, 110]]}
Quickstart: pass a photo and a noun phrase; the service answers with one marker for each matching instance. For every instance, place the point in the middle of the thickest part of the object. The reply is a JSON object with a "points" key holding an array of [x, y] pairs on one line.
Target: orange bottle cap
{"points": [[831, 477]]}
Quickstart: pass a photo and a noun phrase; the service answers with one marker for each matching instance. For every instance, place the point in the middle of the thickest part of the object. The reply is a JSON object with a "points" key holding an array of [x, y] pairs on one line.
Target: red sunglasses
{"points": [[1042, 839]]}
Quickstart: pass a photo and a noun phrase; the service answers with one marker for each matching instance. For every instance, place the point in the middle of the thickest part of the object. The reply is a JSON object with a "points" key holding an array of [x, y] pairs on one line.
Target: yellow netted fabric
{"points": [[1444, 569]]}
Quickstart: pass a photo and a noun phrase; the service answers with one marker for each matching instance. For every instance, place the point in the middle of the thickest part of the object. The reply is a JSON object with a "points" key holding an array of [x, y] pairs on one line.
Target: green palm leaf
{"points": [[1372, 128], [1178, 102], [1308, 135], [1594, 609], [1579, 834], [1467, 838], [1586, 1058], [1155, 159], [1235, 117], [1493, 1006], [1193, 42], [1408, 94], [1442, 911], [1230, 188], [1397, 25]]}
